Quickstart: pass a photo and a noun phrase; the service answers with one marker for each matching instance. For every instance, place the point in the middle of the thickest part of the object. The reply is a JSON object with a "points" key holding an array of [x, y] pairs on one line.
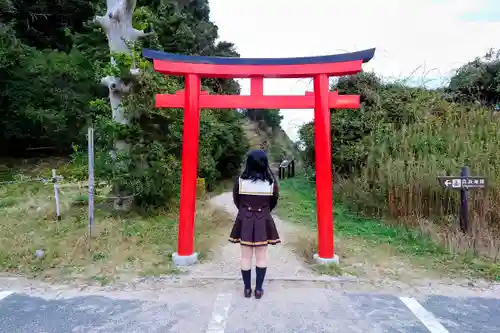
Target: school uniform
{"points": [[254, 224]]}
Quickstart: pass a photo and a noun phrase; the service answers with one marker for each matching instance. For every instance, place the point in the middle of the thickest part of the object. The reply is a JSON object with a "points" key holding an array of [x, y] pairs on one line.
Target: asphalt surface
{"points": [[299, 310]]}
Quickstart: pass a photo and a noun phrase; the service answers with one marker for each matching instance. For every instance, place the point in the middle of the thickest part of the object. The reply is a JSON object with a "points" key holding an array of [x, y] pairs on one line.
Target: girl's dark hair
{"points": [[257, 167]]}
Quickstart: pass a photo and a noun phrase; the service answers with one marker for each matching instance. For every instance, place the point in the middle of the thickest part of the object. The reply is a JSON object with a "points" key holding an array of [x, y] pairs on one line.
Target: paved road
{"points": [[292, 310]]}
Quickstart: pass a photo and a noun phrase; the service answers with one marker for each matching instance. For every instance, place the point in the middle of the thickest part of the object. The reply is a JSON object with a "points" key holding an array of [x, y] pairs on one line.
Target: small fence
{"points": [[286, 169], [59, 185]]}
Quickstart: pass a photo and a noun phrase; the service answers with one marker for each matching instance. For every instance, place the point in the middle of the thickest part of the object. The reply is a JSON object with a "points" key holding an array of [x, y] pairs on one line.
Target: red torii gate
{"points": [[192, 99]]}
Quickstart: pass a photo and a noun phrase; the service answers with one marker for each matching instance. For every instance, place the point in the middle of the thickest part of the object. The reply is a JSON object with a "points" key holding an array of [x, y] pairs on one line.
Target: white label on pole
{"points": [[56, 193], [90, 139]]}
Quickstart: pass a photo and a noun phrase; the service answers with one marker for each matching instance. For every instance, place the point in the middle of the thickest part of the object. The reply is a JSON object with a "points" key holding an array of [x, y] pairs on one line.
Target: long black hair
{"points": [[257, 167]]}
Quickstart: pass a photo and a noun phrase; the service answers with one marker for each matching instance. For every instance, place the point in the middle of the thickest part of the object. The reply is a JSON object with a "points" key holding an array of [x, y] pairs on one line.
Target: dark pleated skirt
{"points": [[254, 231]]}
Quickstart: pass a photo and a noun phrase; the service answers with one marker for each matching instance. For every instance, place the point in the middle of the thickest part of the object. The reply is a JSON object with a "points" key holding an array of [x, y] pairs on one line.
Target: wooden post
{"points": [[91, 180], [464, 202], [56, 194], [465, 182]]}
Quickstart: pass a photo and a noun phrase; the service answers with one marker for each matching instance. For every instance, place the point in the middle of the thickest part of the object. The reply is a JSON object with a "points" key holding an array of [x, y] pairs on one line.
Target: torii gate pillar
{"points": [[322, 100], [324, 179]]}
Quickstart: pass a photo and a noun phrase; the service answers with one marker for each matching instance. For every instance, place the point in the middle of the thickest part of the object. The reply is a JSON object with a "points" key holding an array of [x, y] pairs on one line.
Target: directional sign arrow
{"points": [[461, 182]]}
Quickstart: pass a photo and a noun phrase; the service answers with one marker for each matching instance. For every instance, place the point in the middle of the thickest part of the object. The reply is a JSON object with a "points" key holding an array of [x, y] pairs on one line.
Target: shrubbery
{"points": [[388, 154], [45, 97], [269, 118], [155, 136], [48, 97]]}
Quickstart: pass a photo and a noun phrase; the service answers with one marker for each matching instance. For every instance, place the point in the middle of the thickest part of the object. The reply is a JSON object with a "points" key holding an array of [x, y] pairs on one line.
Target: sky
{"points": [[421, 41]]}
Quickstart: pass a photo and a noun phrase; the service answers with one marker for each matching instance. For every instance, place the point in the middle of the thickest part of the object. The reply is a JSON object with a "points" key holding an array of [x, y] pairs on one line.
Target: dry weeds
{"points": [[121, 246], [361, 259], [399, 177], [374, 249]]}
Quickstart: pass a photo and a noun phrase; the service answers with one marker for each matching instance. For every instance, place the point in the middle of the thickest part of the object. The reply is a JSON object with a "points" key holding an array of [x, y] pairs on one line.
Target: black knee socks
{"points": [[261, 274], [247, 276]]}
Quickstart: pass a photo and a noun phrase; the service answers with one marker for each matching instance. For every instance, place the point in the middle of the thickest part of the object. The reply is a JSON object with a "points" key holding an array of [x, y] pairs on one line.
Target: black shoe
{"points": [[259, 294], [248, 293]]}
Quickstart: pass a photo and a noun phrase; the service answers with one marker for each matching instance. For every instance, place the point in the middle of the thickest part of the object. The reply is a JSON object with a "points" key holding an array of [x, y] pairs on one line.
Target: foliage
{"points": [[271, 118], [349, 127], [45, 96], [153, 162], [478, 80], [388, 154], [52, 57], [357, 239], [49, 24]]}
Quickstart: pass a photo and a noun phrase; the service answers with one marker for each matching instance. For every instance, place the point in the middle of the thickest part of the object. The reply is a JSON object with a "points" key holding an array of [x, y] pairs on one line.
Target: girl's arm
{"points": [[236, 193], [275, 197]]}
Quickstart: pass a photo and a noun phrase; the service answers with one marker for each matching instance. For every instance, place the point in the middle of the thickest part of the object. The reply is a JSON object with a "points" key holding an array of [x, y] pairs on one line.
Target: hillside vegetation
{"points": [[52, 58], [273, 140], [388, 155]]}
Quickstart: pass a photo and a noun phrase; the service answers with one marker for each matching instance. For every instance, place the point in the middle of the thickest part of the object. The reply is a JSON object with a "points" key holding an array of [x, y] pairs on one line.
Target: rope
{"points": [[61, 186], [80, 186], [41, 180], [122, 198]]}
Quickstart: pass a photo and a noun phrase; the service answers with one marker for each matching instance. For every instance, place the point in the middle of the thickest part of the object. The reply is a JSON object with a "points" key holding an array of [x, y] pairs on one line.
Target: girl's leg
{"points": [[246, 267], [260, 268], [246, 257]]}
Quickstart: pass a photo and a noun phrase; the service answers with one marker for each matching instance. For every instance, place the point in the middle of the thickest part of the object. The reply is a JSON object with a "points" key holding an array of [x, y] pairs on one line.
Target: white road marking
{"points": [[4, 294], [427, 318], [219, 314]]}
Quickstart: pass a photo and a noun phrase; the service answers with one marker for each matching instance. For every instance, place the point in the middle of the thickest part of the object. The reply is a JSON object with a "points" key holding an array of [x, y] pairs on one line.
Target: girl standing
{"points": [[255, 194]]}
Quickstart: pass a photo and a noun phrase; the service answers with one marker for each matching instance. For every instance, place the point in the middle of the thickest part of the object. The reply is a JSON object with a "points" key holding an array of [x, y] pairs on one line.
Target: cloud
{"points": [[413, 37]]}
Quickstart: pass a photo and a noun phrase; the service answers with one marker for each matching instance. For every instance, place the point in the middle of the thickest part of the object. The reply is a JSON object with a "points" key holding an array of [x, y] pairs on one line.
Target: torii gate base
{"points": [[322, 100]]}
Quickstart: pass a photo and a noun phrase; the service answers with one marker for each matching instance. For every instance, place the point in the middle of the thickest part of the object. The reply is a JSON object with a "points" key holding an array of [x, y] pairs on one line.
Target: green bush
{"points": [[151, 168], [388, 154], [271, 118], [477, 81], [50, 92], [45, 96]]}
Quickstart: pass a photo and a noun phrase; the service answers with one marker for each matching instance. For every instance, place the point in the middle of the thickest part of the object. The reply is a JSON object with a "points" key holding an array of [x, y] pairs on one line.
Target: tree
{"points": [[48, 24], [44, 96], [48, 94], [272, 118], [478, 81], [117, 25], [384, 107]]}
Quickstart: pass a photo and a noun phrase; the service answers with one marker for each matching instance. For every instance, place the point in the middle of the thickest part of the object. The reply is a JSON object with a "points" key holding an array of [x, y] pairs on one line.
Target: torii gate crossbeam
{"points": [[192, 99]]}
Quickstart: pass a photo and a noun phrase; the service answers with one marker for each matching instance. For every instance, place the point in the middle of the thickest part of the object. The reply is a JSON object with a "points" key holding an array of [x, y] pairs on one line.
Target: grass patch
{"points": [[34, 243], [305, 245], [359, 238]]}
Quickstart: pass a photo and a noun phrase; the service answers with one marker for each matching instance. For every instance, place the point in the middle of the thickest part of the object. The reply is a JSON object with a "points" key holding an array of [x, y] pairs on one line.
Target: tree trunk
{"points": [[117, 24]]}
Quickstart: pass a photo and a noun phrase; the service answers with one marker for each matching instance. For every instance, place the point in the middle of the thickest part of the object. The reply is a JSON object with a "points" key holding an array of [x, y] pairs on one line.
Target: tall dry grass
{"points": [[122, 246], [399, 179]]}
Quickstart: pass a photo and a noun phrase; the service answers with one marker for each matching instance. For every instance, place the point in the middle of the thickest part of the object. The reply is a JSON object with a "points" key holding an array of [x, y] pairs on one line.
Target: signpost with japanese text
{"points": [[463, 183]]}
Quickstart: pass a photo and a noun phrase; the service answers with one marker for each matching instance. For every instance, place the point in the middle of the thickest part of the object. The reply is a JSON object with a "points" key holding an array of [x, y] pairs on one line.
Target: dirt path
{"points": [[224, 261]]}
